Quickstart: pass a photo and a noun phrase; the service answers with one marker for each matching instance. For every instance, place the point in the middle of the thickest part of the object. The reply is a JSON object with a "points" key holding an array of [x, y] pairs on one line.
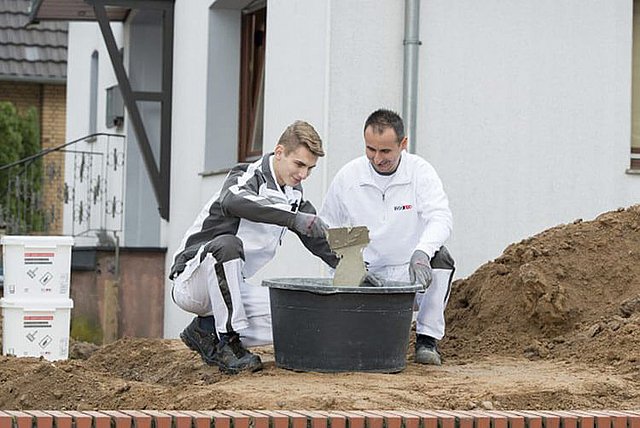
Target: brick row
{"points": [[320, 419]]}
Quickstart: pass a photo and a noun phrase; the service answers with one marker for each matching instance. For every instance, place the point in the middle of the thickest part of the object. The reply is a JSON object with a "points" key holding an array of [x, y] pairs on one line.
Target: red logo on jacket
{"points": [[402, 207]]}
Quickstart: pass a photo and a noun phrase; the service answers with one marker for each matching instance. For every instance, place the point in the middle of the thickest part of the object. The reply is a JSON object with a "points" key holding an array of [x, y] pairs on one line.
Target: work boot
{"points": [[203, 341], [232, 357], [427, 350]]}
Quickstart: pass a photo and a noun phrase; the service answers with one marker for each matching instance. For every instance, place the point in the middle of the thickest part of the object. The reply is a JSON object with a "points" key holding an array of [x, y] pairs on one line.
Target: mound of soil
{"points": [[553, 323], [570, 292]]}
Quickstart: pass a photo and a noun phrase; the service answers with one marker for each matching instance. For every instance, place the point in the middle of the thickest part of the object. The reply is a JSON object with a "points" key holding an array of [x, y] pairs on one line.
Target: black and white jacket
{"points": [[254, 208]]}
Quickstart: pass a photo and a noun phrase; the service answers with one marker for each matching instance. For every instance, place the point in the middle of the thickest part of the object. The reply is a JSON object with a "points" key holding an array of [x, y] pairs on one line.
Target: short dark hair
{"points": [[382, 119]]}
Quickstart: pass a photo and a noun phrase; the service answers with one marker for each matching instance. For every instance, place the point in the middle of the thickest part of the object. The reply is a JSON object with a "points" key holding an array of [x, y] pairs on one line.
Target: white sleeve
{"points": [[333, 211], [433, 206]]}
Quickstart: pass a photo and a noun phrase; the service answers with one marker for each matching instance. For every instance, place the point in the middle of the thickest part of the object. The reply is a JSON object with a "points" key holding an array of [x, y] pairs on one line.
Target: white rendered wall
{"points": [[85, 38], [524, 109]]}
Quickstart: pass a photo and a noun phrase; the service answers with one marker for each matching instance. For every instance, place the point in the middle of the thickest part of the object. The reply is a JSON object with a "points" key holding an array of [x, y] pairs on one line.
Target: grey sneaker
{"points": [[203, 342], [427, 350], [232, 357]]}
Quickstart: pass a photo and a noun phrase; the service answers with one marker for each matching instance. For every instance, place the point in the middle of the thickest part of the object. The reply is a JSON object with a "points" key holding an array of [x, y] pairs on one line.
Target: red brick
{"points": [[371, 420], [407, 419], [224, 419], [390, 419], [430, 420], [81, 420], [5, 420], [584, 420], [336, 420], [258, 420], [497, 420], [60, 419], [353, 419], [462, 420], [198, 419], [567, 419], [179, 419], [599, 420], [531, 421], [42, 420], [514, 420], [22, 419], [277, 420], [296, 420], [139, 419], [314, 419], [159, 419], [100, 419], [548, 420], [633, 419], [122, 420]]}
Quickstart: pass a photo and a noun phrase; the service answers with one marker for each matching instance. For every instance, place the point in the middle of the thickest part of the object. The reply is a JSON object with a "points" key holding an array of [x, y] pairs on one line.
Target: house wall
{"points": [[85, 38], [525, 111], [523, 108], [53, 132], [144, 57]]}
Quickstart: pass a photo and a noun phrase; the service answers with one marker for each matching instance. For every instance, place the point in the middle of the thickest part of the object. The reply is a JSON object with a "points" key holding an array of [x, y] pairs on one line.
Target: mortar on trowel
{"points": [[334, 325], [348, 244]]}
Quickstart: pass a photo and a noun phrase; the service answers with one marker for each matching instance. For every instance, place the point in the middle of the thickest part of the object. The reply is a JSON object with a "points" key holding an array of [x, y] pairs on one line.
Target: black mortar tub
{"points": [[321, 328]]}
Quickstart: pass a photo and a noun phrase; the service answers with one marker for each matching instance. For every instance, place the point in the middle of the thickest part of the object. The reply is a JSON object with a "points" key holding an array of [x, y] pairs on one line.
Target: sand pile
{"points": [[570, 291]]}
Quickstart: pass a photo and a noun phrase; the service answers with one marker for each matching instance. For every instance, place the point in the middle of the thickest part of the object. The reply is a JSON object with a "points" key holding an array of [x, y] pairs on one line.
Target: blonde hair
{"points": [[301, 133]]}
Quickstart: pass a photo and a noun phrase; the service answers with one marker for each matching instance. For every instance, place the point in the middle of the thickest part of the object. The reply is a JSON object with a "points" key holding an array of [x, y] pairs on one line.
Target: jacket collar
{"points": [[270, 175], [401, 176], [267, 170]]}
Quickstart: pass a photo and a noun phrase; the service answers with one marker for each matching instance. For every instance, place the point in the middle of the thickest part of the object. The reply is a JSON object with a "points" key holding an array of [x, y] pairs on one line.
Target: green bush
{"points": [[20, 138]]}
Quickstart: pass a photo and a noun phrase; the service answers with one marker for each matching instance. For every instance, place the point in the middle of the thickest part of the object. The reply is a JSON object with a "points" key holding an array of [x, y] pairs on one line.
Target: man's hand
{"points": [[372, 280], [309, 225], [420, 269]]}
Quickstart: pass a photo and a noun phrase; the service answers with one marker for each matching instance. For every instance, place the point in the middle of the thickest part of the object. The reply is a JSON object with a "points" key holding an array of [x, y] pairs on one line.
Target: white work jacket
{"points": [[411, 213]]}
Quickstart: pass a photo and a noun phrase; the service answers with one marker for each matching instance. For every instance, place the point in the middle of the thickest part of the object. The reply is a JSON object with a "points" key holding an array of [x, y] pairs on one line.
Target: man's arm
{"points": [[433, 206], [318, 246], [240, 198]]}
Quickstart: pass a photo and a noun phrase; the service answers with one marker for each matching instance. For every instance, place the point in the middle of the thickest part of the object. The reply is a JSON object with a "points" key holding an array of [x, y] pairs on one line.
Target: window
{"points": [[635, 91], [93, 94], [254, 24], [235, 84]]}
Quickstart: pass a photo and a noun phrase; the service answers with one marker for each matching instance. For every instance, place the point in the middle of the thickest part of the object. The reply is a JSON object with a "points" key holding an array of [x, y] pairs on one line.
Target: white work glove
{"points": [[372, 280], [309, 225], [420, 269]]}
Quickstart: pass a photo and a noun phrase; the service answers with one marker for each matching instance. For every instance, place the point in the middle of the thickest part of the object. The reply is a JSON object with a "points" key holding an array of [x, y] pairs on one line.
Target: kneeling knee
{"points": [[225, 248], [442, 259]]}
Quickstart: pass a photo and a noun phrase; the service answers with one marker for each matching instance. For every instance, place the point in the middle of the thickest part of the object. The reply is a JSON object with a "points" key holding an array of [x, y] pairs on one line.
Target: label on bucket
{"points": [[35, 329], [38, 258], [37, 321]]}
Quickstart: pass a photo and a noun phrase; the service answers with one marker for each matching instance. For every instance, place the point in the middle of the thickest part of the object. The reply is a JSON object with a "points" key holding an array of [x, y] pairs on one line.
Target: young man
{"points": [[400, 198], [235, 235]]}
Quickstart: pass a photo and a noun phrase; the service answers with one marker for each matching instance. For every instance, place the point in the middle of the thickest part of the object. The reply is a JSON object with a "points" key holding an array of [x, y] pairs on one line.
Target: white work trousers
{"points": [[237, 306], [431, 303]]}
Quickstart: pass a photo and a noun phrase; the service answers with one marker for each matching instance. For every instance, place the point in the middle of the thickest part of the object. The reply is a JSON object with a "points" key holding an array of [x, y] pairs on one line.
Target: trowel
{"points": [[348, 243]]}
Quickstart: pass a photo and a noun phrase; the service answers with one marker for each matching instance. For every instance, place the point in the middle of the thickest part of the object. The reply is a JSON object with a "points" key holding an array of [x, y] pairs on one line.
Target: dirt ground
{"points": [[553, 323]]}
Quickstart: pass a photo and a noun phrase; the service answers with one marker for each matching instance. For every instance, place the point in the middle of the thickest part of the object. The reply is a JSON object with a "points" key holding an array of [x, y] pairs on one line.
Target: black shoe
{"points": [[232, 357], [203, 342], [427, 350]]}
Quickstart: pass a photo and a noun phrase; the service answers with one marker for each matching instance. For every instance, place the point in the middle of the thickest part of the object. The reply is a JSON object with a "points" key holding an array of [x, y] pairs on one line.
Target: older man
{"points": [[400, 198]]}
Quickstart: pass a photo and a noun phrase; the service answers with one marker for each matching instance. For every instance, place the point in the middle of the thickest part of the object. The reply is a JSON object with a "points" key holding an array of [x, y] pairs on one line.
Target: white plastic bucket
{"points": [[37, 267], [36, 328]]}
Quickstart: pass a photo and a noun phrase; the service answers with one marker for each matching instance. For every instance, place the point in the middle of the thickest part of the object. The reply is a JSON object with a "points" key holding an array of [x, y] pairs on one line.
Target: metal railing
{"points": [[76, 188]]}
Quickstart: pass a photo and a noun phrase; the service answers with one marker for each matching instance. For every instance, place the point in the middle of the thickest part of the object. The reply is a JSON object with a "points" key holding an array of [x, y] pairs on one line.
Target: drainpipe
{"points": [[410, 72]]}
